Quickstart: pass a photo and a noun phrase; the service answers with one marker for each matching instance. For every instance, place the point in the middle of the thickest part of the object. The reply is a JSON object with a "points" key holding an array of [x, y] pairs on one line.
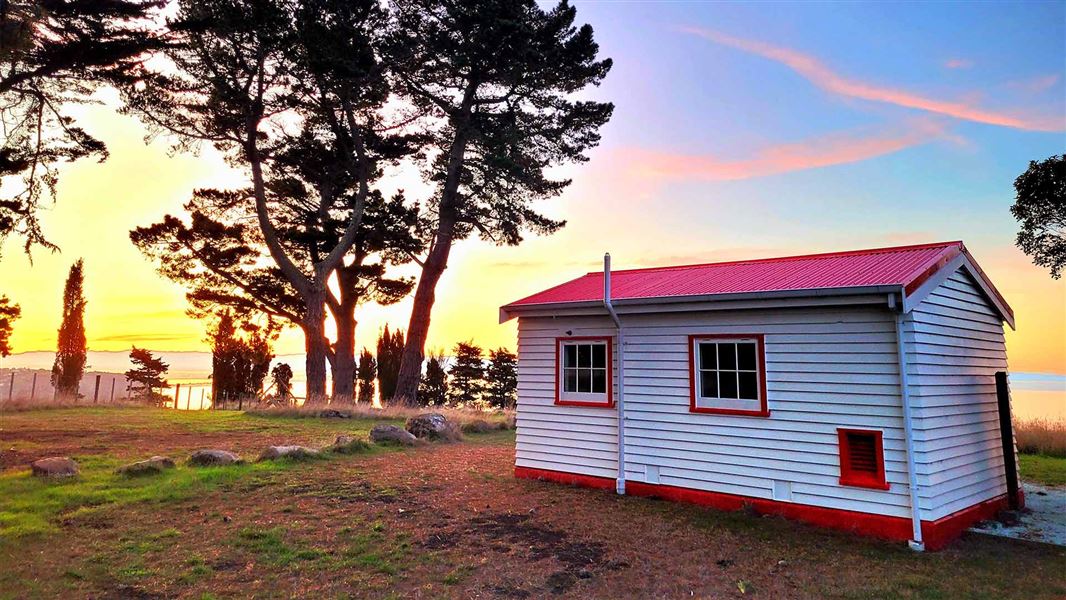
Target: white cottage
{"points": [[862, 390]]}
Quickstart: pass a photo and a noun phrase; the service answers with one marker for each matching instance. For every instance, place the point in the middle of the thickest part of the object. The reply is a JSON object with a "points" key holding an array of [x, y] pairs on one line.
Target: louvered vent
{"points": [[862, 457]]}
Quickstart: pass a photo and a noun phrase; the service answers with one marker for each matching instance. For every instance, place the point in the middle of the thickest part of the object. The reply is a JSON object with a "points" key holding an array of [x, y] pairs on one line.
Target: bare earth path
{"points": [[451, 521]]}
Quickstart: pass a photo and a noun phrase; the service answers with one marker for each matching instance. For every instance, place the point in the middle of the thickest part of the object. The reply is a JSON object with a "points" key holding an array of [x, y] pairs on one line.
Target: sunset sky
{"points": [[740, 131]]}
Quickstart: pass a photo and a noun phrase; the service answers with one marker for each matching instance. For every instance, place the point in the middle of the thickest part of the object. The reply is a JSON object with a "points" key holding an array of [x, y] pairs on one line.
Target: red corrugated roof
{"points": [[905, 266]]}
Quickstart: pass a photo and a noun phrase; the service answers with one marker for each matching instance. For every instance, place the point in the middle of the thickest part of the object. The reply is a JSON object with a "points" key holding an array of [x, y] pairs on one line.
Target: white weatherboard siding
{"points": [[573, 439], [826, 368], [955, 345]]}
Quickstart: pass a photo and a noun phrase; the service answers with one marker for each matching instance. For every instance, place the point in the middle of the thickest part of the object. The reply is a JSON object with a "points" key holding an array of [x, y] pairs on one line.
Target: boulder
{"points": [[55, 466], [211, 458], [391, 433], [291, 452], [349, 444], [152, 466], [478, 426], [331, 413], [433, 426]]}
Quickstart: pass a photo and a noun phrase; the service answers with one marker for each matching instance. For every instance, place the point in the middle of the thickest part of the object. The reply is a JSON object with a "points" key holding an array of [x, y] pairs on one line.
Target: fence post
{"points": [[33, 387], [11, 390], [96, 389], [113, 378], [177, 391]]}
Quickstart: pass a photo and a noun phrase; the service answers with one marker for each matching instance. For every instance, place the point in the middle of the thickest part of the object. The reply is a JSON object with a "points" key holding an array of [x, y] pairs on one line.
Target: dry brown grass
{"points": [[1041, 436], [24, 404], [459, 416]]}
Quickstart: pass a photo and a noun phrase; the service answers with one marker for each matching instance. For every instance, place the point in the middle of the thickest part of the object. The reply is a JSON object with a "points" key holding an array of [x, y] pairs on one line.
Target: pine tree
{"points": [[365, 375], [390, 348], [146, 376], [9, 311], [70, 348], [467, 384], [433, 388], [502, 379], [240, 357]]}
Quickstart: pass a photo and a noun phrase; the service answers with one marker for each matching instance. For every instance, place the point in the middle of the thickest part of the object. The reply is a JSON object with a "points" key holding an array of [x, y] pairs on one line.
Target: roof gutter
{"points": [[916, 542], [620, 483]]}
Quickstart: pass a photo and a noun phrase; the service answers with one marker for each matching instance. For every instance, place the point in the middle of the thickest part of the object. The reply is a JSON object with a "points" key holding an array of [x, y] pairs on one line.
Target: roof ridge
{"points": [[820, 255]]}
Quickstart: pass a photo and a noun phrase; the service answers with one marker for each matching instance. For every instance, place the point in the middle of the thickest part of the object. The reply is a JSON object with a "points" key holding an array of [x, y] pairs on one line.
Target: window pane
{"points": [[569, 355], [584, 355], [599, 356], [749, 386], [727, 356], [727, 383], [708, 356], [584, 381], [569, 380], [708, 384], [746, 356], [599, 381]]}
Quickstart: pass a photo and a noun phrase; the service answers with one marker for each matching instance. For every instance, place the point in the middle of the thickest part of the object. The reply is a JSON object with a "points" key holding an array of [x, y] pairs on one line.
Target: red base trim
{"points": [[935, 534], [588, 481]]}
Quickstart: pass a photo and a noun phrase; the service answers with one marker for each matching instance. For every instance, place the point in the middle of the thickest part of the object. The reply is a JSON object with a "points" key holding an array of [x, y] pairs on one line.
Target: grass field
{"points": [[443, 520]]}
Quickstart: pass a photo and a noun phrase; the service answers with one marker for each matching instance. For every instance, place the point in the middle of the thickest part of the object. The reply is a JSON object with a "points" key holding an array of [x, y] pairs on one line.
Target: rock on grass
{"points": [[54, 466], [433, 426], [152, 466], [385, 434], [290, 452], [212, 458], [347, 444]]}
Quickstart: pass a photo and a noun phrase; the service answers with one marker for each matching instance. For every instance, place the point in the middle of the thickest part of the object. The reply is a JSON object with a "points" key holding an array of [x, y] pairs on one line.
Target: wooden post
{"points": [[1006, 434], [177, 391], [96, 389], [202, 390], [113, 378], [33, 387], [11, 390]]}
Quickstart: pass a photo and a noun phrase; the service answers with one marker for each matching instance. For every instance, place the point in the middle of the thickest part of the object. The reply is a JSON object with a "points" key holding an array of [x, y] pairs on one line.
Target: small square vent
{"points": [[651, 474], [783, 491]]}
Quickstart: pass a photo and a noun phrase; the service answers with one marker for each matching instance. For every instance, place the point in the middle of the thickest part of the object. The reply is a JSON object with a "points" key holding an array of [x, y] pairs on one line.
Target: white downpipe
{"points": [[908, 433], [620, 485]]}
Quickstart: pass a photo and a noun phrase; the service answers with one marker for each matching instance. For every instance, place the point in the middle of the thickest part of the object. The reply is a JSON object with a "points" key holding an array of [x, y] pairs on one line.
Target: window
{"points": [[728, 376], [583, 371], [862, 459]]}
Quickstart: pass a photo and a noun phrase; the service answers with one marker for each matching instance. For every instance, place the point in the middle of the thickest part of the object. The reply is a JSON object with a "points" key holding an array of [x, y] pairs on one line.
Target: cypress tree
{"points": [[70, 347], [502, 379], [467, 384], [390, 348], [8, 313], [365, 374], [433, 388]]}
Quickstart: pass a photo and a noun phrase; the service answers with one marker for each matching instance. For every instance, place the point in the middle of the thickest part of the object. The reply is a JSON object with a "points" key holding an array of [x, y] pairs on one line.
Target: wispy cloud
{"points": [[958, 63], [1036, 85], [821, 75], [834, 149]]}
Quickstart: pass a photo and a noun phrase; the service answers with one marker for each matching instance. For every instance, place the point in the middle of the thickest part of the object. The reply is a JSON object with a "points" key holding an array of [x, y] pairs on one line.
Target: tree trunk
{"points": [[344, 355], [418, 328], [315, 343]]}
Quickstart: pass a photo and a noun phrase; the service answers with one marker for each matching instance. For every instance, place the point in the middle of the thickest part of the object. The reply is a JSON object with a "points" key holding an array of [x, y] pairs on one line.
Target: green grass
{"points": [[271, 547], [1044, 470], [32, 506]]}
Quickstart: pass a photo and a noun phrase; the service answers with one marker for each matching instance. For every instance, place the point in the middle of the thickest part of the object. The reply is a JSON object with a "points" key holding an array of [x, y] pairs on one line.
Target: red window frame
{"points": [[559, 401], [852, 478], [760, 358]]}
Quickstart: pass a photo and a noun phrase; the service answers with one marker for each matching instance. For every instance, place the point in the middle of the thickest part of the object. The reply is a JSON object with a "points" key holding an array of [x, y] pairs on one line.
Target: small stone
{"points": [[55, 466], [152, 466], [349, 444], [291, 452], [330, 413], [391, 433], [211, 458]]}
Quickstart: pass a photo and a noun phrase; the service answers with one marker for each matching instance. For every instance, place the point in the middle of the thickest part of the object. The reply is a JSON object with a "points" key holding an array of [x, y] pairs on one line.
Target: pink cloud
{"points": [[958, 63], [835, 149], [1036, 85], [821, 75]]}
